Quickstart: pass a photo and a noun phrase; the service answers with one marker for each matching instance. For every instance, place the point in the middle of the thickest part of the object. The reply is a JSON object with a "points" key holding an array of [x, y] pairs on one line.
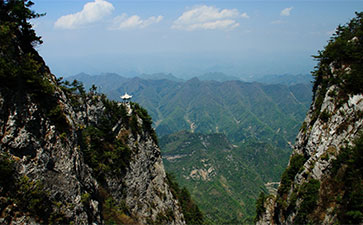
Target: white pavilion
{"points": [[126, 97]]}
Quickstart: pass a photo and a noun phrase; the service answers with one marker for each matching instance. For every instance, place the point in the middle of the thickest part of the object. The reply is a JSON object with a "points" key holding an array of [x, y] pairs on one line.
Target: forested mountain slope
{"points": [[240, 110], [224, 179]]}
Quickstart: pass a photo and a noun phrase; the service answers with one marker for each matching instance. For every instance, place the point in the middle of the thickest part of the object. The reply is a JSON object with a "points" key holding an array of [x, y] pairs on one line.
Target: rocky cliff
{"points": [[67, 156], [323, 183]]}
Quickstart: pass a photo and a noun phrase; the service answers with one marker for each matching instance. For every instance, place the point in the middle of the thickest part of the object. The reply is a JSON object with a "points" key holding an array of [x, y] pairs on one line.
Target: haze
{"points": [[184, 37]]}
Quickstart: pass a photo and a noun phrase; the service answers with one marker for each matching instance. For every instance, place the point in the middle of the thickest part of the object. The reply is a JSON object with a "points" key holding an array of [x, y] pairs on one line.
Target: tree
{"points": [[14, 17]]}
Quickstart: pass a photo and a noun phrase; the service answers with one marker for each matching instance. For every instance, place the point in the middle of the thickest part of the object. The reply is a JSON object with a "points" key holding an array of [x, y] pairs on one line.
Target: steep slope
{"points": [[222, 177], [323, 183], [67, 156]]}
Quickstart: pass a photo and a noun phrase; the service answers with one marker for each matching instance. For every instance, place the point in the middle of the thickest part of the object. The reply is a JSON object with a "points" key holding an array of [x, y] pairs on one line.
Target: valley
{"points": [[224, 141], [233, 138], [223, 178]]}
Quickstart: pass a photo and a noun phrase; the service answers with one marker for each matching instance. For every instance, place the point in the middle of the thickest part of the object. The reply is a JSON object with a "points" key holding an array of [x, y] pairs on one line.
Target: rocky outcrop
{"points": [[323, 180], [267, 216], [67, 156], [145, 189], [41, 152]]}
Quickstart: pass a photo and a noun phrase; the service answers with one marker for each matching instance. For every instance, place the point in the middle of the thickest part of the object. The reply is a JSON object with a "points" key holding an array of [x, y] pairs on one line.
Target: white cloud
{"points": [[208, 18], [244, 15], [286, 11], [124, 22], [91, 12]]}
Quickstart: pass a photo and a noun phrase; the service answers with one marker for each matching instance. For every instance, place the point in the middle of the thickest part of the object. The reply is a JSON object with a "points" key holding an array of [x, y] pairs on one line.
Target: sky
{"points": [[243, 38]]}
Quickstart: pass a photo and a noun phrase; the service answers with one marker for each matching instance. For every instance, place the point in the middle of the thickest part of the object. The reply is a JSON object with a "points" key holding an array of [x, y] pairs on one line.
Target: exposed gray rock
{"points": [[267, 217], [320, 143], [42, 153]]}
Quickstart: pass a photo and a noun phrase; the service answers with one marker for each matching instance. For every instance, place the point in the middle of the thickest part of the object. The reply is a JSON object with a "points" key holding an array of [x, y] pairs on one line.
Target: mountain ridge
{"points": [[171, 104]]}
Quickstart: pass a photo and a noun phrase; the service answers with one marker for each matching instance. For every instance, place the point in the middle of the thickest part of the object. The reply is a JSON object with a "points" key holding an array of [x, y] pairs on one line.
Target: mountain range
{"points": [[240, 110], [206, 117]]}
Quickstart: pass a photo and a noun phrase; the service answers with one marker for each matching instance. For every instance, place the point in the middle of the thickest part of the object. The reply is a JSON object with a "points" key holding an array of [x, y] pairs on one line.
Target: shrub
{"points": [[325, 116], [296, 163], [309, 193], [57, 116], [260, 208], [146, 122], [31, 197], [191, 211], [113, 212], [6, 172], [342, 50], [303, 127], [349, 163], [85, 198], [104, 153]]}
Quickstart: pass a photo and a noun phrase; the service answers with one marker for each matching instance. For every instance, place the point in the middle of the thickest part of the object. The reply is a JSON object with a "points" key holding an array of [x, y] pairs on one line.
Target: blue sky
{"points": [[185, 37]]}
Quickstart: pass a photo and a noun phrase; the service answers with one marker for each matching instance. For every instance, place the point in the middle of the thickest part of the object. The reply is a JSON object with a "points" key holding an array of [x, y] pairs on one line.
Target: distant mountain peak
{"points": [[160, 76], [194, 79], [217, 76]]}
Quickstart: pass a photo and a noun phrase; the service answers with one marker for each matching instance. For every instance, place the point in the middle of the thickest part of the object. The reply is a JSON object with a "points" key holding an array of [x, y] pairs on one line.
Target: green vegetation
{"points": [[85, 198], [114, 212], [21, 68], [242, 111], [32, 197], [344, 53], [260, 208], [250, 115], [26, 196], [222, 178], [104, 153], [348, 169], [6, 171], [303, 127], [192, 214], [74, 91], [113, 113], [309, 193], [146, 121], [325, 116], [296, 163]]}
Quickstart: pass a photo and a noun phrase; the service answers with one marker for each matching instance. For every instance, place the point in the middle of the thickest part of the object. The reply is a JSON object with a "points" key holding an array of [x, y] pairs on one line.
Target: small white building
{"points": [[126, 97]]}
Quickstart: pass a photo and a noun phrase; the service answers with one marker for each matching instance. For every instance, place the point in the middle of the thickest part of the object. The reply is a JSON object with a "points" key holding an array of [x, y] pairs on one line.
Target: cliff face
{"points": [[67, 156], [55, 158], [323, 181]]}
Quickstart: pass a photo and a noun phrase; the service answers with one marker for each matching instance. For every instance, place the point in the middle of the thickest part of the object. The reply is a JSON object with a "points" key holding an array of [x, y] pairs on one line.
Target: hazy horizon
{"points": [[238, 38]]}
